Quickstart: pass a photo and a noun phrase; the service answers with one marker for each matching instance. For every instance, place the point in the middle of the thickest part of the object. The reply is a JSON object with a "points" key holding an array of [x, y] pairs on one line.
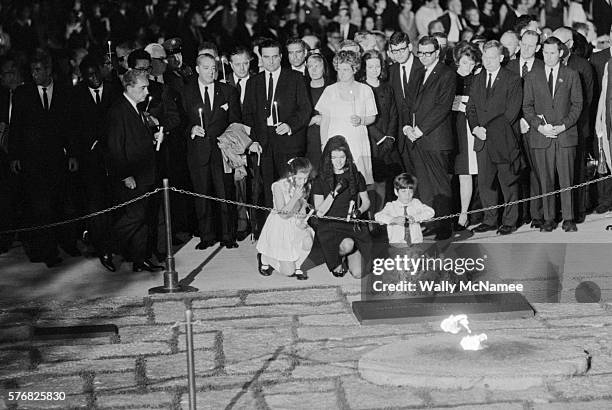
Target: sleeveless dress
{"points": [[281, 238], [339, 111]]}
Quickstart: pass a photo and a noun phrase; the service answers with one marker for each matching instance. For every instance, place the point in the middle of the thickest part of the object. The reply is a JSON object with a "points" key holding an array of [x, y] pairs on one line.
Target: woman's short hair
{"points": [[465, 49], [347, 57], [370, 55]]}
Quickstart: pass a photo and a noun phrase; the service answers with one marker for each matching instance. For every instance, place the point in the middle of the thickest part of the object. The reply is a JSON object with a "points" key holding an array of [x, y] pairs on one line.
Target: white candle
{"points": [[159, 141], [276, 111], [109, 48], [223, 68], [201, 119], [353, 98], [413, 120]]}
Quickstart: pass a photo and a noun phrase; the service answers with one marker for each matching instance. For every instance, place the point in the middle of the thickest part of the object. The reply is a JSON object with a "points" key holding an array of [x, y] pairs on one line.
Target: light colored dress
{"points": [[281, 238], [339, 111]]}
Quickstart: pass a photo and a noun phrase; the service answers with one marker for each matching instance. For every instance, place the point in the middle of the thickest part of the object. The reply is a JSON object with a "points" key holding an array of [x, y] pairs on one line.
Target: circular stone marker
{"points": [[510, 362]]}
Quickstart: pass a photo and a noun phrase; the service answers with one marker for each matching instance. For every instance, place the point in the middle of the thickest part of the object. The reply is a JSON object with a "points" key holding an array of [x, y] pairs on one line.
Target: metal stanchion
{"points": [[171, 283], [190, 360]]}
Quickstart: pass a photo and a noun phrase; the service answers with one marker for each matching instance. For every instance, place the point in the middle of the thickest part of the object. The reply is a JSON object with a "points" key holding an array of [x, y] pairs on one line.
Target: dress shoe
{"points": [[107, 261], [484, 228], [580, 218], [429, 232], [205, 244], [71, 250], [443, 235], [602, 208], [300, 275], [548, 226], [536, 223], [264, 270], [242, 235], [506, 229], [53, 262], [569, 226], [229, 244], [148, 266]]}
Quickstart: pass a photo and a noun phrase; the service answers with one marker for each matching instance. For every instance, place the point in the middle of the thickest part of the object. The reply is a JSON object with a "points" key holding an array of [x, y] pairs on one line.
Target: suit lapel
{"points": [[560, 79], [217, 101]]}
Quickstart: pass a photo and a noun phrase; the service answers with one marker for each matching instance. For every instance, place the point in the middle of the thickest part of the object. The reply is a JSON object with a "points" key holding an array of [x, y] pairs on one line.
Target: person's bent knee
{"points": [[346, 246]]}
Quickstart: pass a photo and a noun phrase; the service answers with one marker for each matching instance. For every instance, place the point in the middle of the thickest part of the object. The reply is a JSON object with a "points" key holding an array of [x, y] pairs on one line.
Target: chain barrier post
{"points": [[171, 283], [190, 359]]}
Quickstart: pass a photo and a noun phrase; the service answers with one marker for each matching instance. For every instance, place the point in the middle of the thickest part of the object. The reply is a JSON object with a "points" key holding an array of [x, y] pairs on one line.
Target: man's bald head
{"points": [[566, 36]]}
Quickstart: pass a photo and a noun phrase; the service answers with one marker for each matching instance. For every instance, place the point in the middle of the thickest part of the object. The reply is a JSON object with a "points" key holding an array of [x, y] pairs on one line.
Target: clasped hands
{"points": [[356, 120], [551, 131], [413, 133], [480, 133], [401, 220]]}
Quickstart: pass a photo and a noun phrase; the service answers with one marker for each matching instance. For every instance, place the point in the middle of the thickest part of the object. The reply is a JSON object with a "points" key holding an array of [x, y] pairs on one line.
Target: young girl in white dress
{"points": [[286, 239]]}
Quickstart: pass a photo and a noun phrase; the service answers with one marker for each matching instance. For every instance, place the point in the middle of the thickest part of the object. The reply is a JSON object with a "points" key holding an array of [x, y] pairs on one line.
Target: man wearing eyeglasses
{"points": [[429, 134], [404, 76], [585, 143]]}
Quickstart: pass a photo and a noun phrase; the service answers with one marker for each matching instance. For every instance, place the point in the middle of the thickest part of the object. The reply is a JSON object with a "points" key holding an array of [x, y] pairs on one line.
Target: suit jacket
{"points": [[353, 29], [404, 105], [225, 110], [562, 108], [37, 135], [163, 105], [386, 120], [514, 65], [599, 60], [445, 19], [498, 114], [88, 119], [432, 109], [294, 109], [131, 150]]}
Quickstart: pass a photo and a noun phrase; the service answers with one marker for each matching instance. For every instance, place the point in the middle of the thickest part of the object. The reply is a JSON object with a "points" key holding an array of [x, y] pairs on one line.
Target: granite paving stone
{"points": [[294, 296], [305, 401]]}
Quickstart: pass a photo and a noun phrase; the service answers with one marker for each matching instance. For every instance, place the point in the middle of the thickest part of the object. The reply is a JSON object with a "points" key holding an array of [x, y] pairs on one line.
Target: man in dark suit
{"points": [[211, 106], [177, 73], [529, 184], [193, 35], [493, 115], [405, 78], [453, 21], [91, 100], [246, 32], [277, 108], [347, 29], [41, 150], [131, 152], [552, 105], [430, 138]]}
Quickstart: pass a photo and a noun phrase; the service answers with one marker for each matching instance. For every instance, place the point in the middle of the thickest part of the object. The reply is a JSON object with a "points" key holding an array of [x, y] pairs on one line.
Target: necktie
{"points": [[525, 69], [405, 80], [45, 99], [550, 82], [97, 96], [407, 237], [270, 92], [489, 84], [207, 107], [239, 87]]}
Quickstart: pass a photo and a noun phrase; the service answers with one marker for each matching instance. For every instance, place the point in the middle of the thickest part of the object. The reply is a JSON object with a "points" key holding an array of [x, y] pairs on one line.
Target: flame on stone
{"points": [[473, 342], [453, 324]]}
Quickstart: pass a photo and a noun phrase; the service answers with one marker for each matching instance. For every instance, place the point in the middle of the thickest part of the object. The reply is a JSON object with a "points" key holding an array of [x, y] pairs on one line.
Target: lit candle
{"points": [[159, 141], [201, 119], [353, 98], [109, 48], [276, 111], [223, 67], [413, 120]]}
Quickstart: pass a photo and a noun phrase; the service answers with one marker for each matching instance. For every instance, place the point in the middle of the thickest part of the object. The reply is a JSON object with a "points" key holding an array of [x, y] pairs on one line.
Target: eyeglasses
{"points": [[147, 69], [426, 53], [397, 50]]}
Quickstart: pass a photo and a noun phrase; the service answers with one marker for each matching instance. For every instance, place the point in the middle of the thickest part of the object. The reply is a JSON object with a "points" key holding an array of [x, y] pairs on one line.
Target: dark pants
{"points": [[211, 180], [604, 193], [556, 160], [530, 185], [433, 172], [98, 196], [488, 172], [242, 211], [132, 224]]}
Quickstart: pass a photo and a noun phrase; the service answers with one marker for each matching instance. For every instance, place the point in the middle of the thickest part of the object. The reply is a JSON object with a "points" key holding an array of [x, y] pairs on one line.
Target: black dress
{"points": [[462, 166], [385, 156], [313, 133], [331, 233]]}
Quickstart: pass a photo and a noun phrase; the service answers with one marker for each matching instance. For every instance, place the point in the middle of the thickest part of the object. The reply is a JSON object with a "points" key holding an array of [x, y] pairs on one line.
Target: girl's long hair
{"points": [[326, 169]]}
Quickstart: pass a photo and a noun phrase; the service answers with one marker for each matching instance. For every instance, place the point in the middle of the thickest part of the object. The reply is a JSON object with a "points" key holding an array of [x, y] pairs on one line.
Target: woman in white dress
{"points": [[347, 108]]}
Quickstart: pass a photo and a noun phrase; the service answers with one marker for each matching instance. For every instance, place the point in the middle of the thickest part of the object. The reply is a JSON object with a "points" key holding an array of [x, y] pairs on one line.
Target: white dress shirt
{"points": [[49, 94], [92, 91], [529, 65], [211, 92], [243, 82], [493, 77], [275, 76], [133, 103], [408, 65], [428, 71], [415, 208], [555, 71]]}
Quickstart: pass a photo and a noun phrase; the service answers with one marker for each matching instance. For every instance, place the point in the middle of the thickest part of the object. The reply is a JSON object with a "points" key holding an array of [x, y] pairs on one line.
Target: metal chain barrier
{"points": [[438, 218], [81, 218]]}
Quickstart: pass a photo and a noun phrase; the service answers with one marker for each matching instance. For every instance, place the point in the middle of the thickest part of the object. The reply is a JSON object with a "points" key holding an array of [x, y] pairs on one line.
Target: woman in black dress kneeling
{"points": [[340, 191]]}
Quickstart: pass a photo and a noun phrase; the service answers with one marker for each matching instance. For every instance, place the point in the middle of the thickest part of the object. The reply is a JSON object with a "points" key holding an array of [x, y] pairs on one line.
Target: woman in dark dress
{"points": [[316, 72], [340, 191], [382, 132], [467, 57]]}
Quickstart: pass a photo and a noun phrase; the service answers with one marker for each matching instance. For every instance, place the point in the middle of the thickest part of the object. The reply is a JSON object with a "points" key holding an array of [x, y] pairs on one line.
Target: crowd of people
{"points": [[353, 110]]}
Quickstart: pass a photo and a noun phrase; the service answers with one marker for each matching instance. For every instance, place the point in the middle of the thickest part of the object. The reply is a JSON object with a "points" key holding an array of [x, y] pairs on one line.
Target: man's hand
{"points": [[547, 130], [410, 133], [524, 126], [129, 182], [73, 164], [255, 148], [480, 133], [16, 166], [355, 120], [159, 136], [282, 129], [558, 129], [197, 131], [315, 120]]}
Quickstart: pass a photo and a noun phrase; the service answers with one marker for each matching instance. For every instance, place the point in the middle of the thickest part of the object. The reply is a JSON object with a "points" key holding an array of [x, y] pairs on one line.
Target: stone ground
{"points": [[275, 344]]}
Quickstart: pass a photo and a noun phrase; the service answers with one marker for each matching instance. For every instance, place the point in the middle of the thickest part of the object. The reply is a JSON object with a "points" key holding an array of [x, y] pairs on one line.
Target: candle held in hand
{"points": [[109, 48], [276, 112], [201, 118]]}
